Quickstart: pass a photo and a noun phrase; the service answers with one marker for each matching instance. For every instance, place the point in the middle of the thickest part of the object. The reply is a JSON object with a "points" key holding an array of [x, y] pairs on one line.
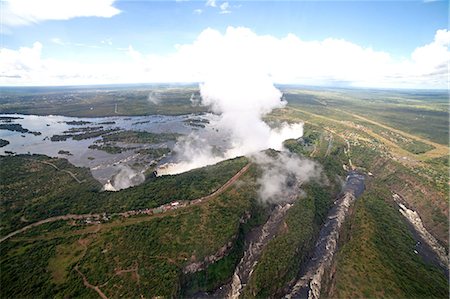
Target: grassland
{"points": [[32, 189], [111, 141], [99, 101], [422, 179], [283, 256], [144, 256], [127, 257], [139, 137], [281, 259], [110, 148], [421, 113], [378, 259]]}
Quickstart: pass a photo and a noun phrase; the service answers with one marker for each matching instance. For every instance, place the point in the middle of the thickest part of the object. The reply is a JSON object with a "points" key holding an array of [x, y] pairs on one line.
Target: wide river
{"points": [[103, 165]]}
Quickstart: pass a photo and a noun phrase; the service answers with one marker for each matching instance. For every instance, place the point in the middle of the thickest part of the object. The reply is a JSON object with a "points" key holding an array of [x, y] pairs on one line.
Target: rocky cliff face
{"points": [[254, 248], [319, 266], [222, 252], [202, 265]]}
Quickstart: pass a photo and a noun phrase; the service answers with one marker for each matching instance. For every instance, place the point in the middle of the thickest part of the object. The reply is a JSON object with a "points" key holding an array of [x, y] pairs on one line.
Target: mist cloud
{"points": [[154, 98], [125, 178], [283, 174], [241, 95]]}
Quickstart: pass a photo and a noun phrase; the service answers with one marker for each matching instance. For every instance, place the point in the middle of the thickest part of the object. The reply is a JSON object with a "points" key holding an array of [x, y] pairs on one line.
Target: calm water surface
{"points": [[103, 165]]}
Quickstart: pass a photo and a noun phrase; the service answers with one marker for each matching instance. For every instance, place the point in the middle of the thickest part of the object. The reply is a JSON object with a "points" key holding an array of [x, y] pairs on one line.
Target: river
{"points": [[103, 165]]}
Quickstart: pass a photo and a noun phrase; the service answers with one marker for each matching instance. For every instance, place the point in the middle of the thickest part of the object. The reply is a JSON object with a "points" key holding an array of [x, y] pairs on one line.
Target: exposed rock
{"points": [[310, 283]]}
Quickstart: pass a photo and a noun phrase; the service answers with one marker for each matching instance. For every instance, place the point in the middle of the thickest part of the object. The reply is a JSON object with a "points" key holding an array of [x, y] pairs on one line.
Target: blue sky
{"points": [[156, 27]]}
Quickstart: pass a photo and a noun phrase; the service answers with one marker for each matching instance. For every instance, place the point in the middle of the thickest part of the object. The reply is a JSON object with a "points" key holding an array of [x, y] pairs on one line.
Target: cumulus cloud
{"points": [[287, 60], [224, 8], [135, 55], [26, 66], [21, 63], [26, 12], [211, 3], [241, 94], [430, 61]]}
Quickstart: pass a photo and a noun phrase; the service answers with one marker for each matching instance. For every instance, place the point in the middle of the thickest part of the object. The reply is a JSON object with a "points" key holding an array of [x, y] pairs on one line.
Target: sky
{"points": [[392, 44]]}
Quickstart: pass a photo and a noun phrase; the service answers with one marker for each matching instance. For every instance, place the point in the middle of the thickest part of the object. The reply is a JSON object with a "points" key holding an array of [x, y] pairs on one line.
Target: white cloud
{"points": [[287, 60], [107, 41], [211, 3], [198, 11], [135, 55], [58, 41], [224, 8], [26, 12]]}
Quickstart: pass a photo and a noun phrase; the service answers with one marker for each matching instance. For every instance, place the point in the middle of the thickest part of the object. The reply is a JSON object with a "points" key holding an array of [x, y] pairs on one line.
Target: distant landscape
{"points": [[377, 158]]}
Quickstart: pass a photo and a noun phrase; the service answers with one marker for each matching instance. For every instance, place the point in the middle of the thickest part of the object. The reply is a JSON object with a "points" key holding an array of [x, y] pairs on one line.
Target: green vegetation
{"points": [[281, 259], [87, 134], [100, 101], [108, 143], [186, 186], [24, 269], [154, 153], [7, 119], [125, 258], [109, 148], [139, 137], [17, 128], [194, 122], [425, 193], [32, 189], [369, 271], [412, 145], [63, 152], [82, 129], [146, 255], [378, 259], [3, 142], [417, 112], [220, 272], [78, 122], [421, 181]]}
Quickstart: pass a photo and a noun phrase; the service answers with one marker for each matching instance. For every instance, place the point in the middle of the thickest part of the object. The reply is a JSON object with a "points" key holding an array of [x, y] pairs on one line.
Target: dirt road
{"points": [[219, 191]]}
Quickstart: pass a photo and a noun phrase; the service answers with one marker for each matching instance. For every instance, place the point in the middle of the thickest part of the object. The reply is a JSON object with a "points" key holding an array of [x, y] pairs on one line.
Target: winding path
{"points": [[88, 285], [219, 191], [66, 171]]}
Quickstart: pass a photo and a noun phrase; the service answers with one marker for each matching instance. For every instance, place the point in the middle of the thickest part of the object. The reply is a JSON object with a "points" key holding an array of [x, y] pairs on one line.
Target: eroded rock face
{"points": [[415, 220], [222, 252], [210, 259], [254, 249], [310, 283]]}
